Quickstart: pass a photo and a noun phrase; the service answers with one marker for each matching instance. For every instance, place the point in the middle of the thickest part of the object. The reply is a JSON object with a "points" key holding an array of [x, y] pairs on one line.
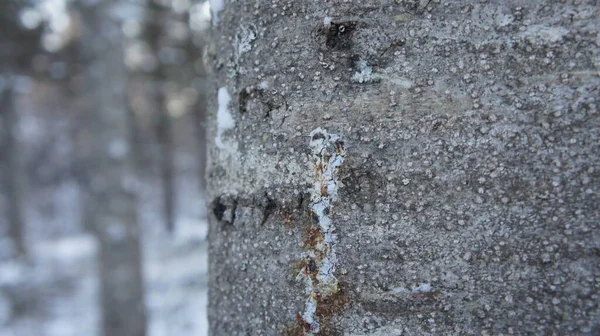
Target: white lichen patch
{"points": [[364, 73], [327, 151], [224, 118], [546, 34], [421, 288], [243, 40], [264, 85]]}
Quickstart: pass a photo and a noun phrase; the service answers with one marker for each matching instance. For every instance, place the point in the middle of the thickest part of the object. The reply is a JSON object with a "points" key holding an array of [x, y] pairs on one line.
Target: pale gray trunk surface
{"points": [[468, 197], [106, 151]]}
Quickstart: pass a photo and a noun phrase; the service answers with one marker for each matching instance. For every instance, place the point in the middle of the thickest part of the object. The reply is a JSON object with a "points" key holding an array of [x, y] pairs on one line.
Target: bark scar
{"points": [[318, 273]]}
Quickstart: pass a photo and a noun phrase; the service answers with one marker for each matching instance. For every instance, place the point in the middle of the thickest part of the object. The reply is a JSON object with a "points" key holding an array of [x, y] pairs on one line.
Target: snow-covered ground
{"points": [[55, 293]]}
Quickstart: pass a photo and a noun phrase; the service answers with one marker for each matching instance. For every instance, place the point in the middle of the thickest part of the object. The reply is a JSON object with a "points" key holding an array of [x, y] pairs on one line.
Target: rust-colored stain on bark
{"points": [[314, 236], [332, 305], [325, 296], [327, 308]]}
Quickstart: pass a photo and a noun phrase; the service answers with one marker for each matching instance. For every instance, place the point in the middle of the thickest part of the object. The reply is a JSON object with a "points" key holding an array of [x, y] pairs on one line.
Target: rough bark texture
{"points": [[106, 151], [469, 191]]}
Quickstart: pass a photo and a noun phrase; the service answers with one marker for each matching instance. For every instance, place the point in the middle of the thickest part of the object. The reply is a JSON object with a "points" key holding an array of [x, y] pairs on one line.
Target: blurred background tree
{"points": [[18, 46], [102, 156]]}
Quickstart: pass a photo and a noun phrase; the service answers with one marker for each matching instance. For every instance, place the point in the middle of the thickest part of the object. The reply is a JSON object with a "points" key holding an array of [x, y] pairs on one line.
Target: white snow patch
{"points": [[66, 249], [190, 228], [364, 73], [66, 269], [215, 7], [200, 16], [179, 268], [327, 21], [224, 118]]}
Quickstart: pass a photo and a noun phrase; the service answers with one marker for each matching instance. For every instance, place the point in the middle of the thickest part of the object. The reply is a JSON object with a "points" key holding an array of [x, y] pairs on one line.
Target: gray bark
{"points": [[106, 147], [468, 195]]}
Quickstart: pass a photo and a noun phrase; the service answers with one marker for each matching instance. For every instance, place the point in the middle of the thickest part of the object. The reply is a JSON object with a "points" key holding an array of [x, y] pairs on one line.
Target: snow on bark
{"points": [[215, 7], [224, 118]]}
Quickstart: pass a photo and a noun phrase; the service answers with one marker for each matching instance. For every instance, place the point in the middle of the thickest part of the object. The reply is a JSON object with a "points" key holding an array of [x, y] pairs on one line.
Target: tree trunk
{"points": [[109, 162], [18, 46], [157, 20], [199, 110], [167, 171], [12, 170], [405, 168]]}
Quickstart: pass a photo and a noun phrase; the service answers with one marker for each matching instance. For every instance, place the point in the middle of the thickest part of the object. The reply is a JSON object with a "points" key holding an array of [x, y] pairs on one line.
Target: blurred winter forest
{"points": [[102, 162]]}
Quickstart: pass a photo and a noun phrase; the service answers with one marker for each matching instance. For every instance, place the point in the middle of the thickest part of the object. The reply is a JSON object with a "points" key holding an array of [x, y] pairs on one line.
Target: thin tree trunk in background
{"points": [[390, 167], [12, 170], [156, 21], [109, 162], [165, 139], [199, 110], [135, 135], [17, 47], [197, 42]]}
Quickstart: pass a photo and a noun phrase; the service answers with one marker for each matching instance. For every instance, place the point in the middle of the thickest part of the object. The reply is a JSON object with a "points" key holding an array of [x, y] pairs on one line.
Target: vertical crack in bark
{"points": [[320, 260]]}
